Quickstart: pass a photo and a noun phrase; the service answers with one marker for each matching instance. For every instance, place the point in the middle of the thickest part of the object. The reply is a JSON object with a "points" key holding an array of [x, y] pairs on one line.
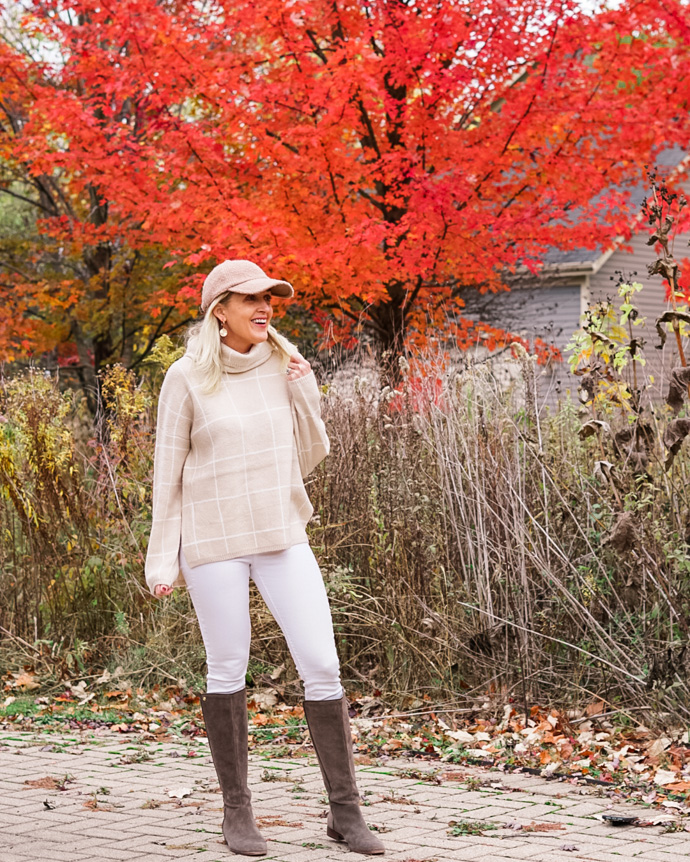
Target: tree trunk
{"points": [[389, 331]]}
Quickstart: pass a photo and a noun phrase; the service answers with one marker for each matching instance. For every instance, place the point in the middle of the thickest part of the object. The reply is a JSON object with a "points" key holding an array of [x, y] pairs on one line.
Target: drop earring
{"points": [[223, 330]]}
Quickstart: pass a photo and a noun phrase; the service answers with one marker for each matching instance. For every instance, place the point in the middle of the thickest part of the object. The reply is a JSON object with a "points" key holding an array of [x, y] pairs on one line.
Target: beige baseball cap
{"points": [[240, 276]]}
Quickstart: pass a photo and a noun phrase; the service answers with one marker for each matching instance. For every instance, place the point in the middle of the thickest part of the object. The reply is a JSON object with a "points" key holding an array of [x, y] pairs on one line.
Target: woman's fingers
{"points": [[161, 590], [298, 367]]}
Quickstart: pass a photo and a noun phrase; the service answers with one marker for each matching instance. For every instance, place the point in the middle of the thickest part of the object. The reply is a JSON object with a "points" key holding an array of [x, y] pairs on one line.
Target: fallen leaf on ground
{"points": [[534, 826], [24, 680], [658, 746], [180, 792], [269, 820], [263, 698], [46, 783], [363, 760], [94, 805], [453, 776], [543, 827], [656, 821]]}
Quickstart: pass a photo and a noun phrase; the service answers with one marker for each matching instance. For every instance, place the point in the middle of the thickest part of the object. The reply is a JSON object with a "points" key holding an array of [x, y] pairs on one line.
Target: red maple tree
{"points": [[385, 156]]}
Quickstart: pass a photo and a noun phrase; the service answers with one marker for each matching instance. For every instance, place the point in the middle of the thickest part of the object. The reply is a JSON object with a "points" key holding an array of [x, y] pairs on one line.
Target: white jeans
{"points": [[291, 584]]}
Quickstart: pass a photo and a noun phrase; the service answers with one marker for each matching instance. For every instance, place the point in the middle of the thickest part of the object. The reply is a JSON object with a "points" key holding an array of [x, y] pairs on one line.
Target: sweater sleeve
{"points": [[310, 432], [172, 446]]}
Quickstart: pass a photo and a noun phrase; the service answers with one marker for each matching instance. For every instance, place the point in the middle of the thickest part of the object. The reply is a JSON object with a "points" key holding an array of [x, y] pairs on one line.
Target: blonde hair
{"points": [[204, 346]]}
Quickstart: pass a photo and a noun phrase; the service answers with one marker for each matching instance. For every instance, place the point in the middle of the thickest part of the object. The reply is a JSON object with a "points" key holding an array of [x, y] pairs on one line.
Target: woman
{"points": [[239, 428]]}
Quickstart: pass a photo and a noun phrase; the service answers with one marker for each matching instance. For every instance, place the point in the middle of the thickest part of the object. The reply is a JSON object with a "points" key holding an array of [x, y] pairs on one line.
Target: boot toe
{"points": [[242, 834], [246, 846], [352, 829]]}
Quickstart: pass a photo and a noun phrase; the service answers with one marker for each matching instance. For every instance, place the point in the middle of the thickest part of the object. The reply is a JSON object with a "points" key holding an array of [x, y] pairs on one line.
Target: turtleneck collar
{"points": [[234, 362]]}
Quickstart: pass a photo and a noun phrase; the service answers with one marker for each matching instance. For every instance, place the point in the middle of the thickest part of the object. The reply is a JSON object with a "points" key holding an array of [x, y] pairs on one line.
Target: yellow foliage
{"points": [[613, 393], [125, 401], [36, 443], [164, 352], [35, 427]]}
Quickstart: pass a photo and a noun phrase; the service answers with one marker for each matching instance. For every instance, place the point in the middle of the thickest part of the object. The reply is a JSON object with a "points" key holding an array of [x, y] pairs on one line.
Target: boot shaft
{"points": [[329, 728], [227, 729]]}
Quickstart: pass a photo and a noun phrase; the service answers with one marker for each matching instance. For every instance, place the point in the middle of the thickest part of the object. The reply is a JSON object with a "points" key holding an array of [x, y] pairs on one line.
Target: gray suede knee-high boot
{"points": [[329, 728], [225, 717]]}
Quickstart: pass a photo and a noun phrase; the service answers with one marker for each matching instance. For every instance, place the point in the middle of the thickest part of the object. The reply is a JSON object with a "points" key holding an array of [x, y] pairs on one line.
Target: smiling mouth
{"points": [[260, 321]]}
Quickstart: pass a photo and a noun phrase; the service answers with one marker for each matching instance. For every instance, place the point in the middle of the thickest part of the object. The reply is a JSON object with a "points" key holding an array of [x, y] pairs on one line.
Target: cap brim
{"points": [[257, 285]]}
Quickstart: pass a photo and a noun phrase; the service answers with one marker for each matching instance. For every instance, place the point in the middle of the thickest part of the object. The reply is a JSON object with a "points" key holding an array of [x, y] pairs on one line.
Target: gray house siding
{"points": [[549, 311], [552, 313], [597, 273], [550, 305]]}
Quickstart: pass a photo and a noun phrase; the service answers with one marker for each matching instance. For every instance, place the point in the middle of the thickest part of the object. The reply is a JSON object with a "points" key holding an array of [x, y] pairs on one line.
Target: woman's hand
{"points": [[161, 590], [297, 367]]}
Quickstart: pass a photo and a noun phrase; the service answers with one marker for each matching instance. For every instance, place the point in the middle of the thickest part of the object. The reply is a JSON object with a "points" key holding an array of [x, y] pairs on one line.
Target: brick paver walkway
{"points": [[117, 805]]}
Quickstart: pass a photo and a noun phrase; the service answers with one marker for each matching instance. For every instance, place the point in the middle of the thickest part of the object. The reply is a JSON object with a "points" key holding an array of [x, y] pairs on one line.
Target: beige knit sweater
{"points": [[228, 467]]}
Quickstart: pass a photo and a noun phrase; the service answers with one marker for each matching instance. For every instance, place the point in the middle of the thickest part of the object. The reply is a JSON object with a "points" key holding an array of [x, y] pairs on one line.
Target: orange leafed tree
{"points": [[386, 156]]}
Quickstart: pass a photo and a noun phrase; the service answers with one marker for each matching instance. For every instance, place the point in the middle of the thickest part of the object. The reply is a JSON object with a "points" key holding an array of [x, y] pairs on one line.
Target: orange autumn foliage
{"points": [[388, 157]]}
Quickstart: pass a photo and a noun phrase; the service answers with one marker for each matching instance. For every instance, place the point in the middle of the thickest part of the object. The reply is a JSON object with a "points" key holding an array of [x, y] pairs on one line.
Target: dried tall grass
{"points": [[472, 549], [490, 555]]}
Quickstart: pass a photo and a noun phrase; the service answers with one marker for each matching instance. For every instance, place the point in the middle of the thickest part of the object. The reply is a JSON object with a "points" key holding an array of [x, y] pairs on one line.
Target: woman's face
{"points": [[246, 317]]}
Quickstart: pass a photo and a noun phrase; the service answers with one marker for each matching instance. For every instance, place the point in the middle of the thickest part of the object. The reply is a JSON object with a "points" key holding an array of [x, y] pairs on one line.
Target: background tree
{"points": [[385, 156]]}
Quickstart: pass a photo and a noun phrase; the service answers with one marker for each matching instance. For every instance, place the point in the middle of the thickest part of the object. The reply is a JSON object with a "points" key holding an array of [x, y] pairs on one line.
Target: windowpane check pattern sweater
{"points": [[228, 467]]}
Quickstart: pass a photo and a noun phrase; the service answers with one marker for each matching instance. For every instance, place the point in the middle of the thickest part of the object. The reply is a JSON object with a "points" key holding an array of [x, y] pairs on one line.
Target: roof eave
{"points": [[590, 267], [556, 270], [574, 268]]}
